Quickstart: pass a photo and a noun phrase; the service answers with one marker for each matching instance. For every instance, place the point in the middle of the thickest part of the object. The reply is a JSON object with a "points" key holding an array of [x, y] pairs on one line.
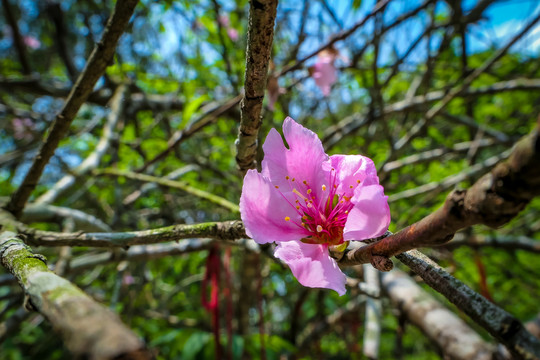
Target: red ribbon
{"points": [[212, 275]]}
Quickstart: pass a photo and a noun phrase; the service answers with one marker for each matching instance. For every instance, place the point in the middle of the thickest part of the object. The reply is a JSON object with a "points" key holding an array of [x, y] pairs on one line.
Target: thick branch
{"points": [[100, 58], [89, 330], [493, 200], [262, 15]]}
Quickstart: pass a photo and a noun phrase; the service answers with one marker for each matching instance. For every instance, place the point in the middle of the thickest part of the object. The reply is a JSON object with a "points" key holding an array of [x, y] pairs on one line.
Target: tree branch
{"points": [[173, 184], [100, 58], [227, 230], [451, 334], [500, 324], [17, 38], [89, 330], [262, 15], [93, 160], [493, 200]]}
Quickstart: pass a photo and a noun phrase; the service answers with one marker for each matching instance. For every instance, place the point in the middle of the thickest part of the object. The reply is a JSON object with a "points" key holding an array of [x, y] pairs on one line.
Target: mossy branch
{"points": [[89, 330], [227, 230]]}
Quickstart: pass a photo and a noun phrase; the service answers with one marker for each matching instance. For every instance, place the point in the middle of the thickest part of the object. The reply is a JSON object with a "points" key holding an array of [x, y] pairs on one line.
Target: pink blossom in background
{"points": [[233, 34], [22, 128], [324, 72], [32, 42], [223, 20], [306, 201], [127, 279], [273, 91]]}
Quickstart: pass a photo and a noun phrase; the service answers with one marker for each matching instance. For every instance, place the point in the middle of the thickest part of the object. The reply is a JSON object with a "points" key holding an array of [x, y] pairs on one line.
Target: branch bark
{"points": [[262, 15], [227, 230]]}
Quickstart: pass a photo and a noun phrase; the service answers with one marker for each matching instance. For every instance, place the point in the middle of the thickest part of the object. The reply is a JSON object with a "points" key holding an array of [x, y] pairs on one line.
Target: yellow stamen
{"points": [[287, 177], [358, 181], [309, 191], [324, 188], [277, 187], [319, 228], [299, 194], [305, 182], [287, 218], [350, 186], [304, 217]]}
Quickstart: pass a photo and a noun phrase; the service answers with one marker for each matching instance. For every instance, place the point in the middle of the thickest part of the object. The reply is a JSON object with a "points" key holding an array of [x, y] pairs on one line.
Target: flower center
{"points": [[323, 213]]}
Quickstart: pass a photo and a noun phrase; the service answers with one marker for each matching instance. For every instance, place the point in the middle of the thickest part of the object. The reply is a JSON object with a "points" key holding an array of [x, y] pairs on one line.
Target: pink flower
{"points": [[32, 42], [324, 73], [22, 128], [306, 201], [273, 91], [223, 20], [233, 34]]}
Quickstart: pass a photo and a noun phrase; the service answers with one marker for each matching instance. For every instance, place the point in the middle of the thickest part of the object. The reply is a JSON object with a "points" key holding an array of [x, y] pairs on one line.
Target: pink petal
{"points": [[263, 211], [312, 265], [325, 75], [223, 20], [302, 161], [233, 34], [351, 169], [370, 215]]}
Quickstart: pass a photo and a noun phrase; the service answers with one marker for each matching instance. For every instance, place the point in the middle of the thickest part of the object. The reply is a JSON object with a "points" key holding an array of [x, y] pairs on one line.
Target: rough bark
{"points": [[262, 15]]}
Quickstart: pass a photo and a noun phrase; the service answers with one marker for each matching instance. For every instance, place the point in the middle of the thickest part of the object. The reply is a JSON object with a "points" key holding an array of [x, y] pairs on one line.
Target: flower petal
{"points": [[312, 265], [370, 215], [353, 171], [325, 74], [301, 161], [263, 210]]}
